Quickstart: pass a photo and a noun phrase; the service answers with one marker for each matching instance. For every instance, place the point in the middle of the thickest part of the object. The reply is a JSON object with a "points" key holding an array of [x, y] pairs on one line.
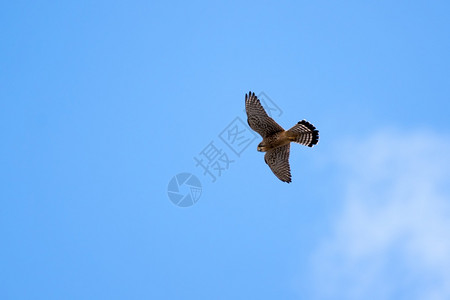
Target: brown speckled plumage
{"points": [[276, 141]]}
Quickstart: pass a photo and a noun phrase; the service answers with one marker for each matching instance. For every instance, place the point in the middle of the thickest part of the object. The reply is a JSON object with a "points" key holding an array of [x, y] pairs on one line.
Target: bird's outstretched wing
{"points": [[257, 117], [278, 161]]}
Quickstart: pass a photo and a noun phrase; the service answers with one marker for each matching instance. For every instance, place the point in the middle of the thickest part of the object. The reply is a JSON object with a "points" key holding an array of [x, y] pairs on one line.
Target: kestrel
{"points": [[276, 141]]}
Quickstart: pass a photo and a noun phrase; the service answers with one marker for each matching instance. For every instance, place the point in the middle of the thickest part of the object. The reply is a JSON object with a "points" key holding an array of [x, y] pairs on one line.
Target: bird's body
{"points": [[276, 141]]}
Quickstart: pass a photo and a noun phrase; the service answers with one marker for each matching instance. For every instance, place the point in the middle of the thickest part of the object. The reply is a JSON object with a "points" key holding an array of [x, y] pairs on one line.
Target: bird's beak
{"points": [[259, 149]]}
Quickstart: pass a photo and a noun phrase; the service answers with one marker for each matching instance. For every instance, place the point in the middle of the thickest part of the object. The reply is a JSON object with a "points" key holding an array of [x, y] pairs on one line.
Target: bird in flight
{"points": [[276, 141]]}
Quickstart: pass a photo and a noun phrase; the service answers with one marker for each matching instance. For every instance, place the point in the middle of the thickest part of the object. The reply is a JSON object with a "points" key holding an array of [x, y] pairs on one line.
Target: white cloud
{"points": [[391, 240]]}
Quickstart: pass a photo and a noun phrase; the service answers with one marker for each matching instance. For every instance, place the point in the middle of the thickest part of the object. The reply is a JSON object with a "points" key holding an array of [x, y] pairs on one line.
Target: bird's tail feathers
{"points": [[304, 133]]}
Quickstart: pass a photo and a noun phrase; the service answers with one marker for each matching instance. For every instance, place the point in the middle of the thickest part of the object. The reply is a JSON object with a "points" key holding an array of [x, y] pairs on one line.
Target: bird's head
{"points": [[261, 147]]}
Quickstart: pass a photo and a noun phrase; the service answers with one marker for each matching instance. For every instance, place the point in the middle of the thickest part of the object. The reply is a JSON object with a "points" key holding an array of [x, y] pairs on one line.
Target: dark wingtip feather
{"points": [[286, 180], [249, 95]]}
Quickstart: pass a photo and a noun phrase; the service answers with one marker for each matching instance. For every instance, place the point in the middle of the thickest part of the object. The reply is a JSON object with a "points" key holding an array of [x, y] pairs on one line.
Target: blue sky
{"points": [[103, 103]]}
